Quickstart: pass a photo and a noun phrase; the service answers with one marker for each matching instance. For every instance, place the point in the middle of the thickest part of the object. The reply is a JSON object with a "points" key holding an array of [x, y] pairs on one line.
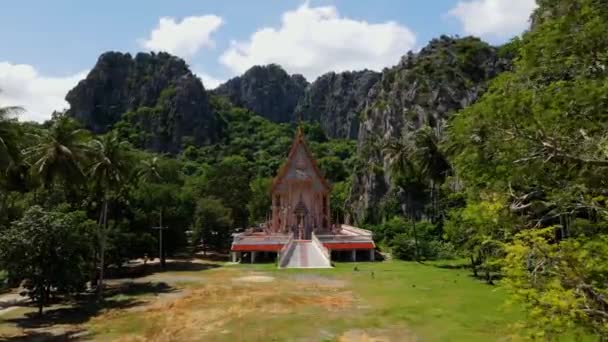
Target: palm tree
{"points": [[401, 154], [58, 153], [149, 172], [433, 164], [9, 136], [109, 169]]}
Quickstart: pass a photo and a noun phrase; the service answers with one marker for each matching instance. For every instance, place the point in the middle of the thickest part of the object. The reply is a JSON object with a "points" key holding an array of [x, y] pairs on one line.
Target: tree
{"points": [[9, 137], [59, 153], [109, 171], [212, 223], [260, 202], [229, 181], [434, 165], [408, 178], [538, 140], [160, 183], [50, 250]]}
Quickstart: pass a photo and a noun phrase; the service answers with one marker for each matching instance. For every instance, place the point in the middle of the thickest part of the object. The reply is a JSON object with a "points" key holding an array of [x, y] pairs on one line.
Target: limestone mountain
{"points": [[266, 90], [336, 100], [423, 90], [163, 99]]}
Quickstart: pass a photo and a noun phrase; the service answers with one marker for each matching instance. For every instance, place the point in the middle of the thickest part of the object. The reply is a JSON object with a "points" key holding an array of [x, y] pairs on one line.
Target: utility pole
{"points": [[161, 255]]}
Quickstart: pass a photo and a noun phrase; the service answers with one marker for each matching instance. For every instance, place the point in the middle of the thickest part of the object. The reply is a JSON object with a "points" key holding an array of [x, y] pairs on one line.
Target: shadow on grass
{"points": [[453, 266], [143, 270], [46, 336], [84, 307]]}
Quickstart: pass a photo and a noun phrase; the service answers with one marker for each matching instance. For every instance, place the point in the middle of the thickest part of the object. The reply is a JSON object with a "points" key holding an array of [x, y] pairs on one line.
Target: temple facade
{"points": [[300, 195], [300, 233]]}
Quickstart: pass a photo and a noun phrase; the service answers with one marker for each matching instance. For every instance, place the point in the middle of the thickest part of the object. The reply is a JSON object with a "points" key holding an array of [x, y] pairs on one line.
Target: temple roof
{"points": [[297, 142]]}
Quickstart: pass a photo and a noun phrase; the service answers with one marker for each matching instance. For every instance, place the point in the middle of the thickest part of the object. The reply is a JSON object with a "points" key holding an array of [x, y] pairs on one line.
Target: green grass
{"points": [[435, 303], [400, 301]]}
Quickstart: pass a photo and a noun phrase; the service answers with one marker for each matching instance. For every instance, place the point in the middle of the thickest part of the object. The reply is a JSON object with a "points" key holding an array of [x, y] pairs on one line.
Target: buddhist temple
{"points": [[300, 233]]}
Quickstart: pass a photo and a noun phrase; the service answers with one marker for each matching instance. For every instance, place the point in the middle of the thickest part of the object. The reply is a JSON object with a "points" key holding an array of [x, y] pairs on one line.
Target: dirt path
{"points": [[11, 301]]}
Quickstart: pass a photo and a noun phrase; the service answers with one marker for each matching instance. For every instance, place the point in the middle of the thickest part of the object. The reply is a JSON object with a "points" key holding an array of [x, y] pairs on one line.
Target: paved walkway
{"points": [[307, 254]]}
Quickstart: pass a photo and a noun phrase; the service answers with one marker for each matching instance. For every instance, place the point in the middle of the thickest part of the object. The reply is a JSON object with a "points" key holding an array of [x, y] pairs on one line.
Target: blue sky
{"points": [[47, 46]]}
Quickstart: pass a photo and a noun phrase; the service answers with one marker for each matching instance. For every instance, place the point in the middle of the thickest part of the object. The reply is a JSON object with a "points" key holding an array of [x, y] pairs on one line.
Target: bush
{"points": [[439, 250], [404, 247]]}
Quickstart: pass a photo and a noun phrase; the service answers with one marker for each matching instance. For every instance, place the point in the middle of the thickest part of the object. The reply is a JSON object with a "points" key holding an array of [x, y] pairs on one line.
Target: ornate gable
{"points": [[300, 166]]}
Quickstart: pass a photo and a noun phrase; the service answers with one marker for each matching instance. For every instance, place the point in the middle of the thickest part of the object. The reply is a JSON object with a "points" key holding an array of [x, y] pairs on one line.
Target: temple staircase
{"points": [[305, 254]]}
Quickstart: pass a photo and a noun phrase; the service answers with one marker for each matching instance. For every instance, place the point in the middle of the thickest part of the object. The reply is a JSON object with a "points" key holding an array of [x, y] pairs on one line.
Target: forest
{"points": [[515, 181]]}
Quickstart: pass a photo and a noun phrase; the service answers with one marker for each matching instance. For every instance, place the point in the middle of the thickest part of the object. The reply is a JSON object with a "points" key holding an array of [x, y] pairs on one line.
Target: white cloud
{"points": [[209, 81], [494, 18], [185, 38], [315, 40], [22, 85]]}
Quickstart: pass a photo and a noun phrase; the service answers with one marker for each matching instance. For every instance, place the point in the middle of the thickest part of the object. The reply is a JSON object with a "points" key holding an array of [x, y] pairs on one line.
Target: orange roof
{"points": [[297, 141], [348, 245], [257, 248]]}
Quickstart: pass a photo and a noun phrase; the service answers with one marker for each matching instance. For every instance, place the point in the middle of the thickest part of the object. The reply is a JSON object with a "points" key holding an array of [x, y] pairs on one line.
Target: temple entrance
{"points": [[303, 226]]}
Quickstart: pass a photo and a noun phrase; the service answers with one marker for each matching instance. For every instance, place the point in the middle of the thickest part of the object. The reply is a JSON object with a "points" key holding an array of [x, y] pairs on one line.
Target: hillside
{"points": [[155, 94], [423, 91]]}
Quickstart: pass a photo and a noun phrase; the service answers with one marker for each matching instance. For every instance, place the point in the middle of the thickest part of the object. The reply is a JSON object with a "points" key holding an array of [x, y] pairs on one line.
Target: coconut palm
{"points": [[59, 153], [9, 147], [149, 172], [434, 166], [401, 154], [108, 171]]}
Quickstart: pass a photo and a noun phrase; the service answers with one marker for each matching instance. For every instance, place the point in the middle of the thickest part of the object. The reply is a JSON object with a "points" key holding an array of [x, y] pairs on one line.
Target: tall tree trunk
{"points": [[161, 247], [40, 298], [102, 247], [474, 266]]}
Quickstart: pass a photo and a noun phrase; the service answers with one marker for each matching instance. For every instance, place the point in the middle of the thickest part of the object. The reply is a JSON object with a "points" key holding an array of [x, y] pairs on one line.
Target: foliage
{"points": [[535, 145], [260, 202], [212, 223], [563, 285], [9, 137], [58, 153], [50, 250]]}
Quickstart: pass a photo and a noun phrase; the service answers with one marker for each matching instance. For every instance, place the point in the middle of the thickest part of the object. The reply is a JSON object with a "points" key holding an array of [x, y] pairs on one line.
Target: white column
{"points": [[372, 254], [353, 256], [233, 254], [252, 257]]}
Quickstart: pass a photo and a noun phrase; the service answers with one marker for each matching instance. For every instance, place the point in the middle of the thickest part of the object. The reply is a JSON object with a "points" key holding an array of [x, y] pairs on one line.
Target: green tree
{"points": [[260, 202], [9, 137], [538, 139], [59, 153], [212, 224], [228, 181], [109, 172], [50, 250]]}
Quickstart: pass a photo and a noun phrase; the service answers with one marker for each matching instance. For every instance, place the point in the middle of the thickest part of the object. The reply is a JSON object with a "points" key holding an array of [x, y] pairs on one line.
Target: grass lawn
{"points": [[388, 301]]}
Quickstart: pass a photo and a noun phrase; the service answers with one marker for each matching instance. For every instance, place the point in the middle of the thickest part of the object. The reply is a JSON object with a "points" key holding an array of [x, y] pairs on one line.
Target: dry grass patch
{"points": [[209, 311]]}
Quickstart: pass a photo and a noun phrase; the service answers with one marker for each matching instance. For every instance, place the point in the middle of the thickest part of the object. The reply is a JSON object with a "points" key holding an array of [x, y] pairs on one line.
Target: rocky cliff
{"points": [[163, 100], [336, 101], [267, 90], [424, 89]]}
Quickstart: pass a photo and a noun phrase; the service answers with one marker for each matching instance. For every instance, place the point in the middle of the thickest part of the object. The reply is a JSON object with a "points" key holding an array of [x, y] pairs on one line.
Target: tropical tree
{"points": [[59, 153], [151, 173], [433, 163], [9, 137], [212, 223], [109, 171], [407, 176], [49, 250]]}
